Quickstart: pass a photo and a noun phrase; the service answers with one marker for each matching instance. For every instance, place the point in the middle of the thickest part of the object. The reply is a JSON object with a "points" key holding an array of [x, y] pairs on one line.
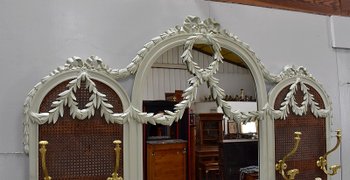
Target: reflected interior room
{"points": [[204, 143]]}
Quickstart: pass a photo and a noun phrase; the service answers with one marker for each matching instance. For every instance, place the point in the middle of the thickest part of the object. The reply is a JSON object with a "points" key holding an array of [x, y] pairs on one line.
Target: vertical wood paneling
{"points": [[171, 58], [177, 81], [165, 58], [156, 81], [171, 79], [162, 80], [161, 84]]}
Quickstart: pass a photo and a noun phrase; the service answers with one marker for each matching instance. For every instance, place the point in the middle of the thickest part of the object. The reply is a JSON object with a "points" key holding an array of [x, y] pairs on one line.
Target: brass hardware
{"points": [[43, 159], [322, 162], [115, 175], [281, 165]]}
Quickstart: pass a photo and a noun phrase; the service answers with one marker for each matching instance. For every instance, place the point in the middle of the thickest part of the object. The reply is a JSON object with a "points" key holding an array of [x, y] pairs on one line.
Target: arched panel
{"points": [[81, 149], [299, 104], [78, 109], [313, 138]]}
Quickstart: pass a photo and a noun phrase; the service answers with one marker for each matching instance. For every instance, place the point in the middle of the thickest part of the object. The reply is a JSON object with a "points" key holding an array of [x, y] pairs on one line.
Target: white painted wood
{"points": [[340, 28]]}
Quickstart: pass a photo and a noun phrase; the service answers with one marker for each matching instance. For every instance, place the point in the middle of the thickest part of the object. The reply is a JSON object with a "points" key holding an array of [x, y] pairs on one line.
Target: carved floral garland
{"points": [[308, 99], [97, 100]]}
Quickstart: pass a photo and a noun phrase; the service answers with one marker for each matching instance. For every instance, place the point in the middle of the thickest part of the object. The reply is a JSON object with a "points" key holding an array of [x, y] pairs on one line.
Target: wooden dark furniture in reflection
{"points": [[166, 134], [166, 159], [236, 154], [209, 134]]}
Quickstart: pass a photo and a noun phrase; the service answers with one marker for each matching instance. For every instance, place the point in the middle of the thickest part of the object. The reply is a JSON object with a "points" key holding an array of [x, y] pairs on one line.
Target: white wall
{"points": [[37, 36]]}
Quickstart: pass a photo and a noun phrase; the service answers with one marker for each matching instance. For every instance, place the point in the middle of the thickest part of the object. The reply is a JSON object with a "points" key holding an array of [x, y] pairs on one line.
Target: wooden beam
{"points": [[324, 7], [345, 7]]}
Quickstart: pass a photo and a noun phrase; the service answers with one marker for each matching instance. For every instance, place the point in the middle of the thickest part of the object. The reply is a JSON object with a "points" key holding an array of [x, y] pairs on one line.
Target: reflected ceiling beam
{"points": [[229, 57], [324, 7]]}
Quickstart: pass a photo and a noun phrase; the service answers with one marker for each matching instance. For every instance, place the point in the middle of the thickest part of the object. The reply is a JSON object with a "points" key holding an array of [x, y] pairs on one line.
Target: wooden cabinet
{"points": [[210, 129], [163, 144], [209, 133], [166, 159]]}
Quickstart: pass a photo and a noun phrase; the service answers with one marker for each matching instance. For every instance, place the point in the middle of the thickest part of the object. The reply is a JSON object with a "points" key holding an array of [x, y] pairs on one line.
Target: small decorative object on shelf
{"points": [[241, 95], [115, 175], [238, 97], [175, 97], [43, 159]]}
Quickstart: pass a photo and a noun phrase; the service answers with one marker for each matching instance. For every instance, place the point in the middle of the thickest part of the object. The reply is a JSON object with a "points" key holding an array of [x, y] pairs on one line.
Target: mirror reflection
{"points": [[204, 144]]}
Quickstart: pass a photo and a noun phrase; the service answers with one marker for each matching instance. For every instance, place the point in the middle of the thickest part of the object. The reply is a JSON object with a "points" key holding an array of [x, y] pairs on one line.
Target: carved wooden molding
{"points": [[82, 70]]}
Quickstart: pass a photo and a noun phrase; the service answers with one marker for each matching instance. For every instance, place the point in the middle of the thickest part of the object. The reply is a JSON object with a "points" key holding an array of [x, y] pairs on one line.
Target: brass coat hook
{"points": [[115, 175], [43, 159], [281, 165], [322, 162]]}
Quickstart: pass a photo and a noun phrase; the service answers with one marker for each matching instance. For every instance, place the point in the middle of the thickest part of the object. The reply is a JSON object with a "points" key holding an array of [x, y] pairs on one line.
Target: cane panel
{"points": [[81, 149], [313, 138]]}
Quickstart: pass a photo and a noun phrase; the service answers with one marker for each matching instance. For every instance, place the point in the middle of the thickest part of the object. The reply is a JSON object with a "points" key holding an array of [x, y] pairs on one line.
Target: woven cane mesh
{"points": [[81, 149], [313, 138]]}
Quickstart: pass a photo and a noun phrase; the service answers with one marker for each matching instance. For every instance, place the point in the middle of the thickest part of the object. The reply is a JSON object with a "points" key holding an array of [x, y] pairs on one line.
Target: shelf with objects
{"points": [[166, 144]]}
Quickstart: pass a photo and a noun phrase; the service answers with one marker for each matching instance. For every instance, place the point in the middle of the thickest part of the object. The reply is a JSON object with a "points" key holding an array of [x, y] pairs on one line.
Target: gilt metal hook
{"points": [[322, 162], [281, 165], [115, 175], [43, 159]]}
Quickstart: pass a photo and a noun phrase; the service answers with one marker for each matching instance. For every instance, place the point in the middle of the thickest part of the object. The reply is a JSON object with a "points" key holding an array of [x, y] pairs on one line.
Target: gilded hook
{"points": [[115, 175], [322, 162], [281, 165], [43, 159]]}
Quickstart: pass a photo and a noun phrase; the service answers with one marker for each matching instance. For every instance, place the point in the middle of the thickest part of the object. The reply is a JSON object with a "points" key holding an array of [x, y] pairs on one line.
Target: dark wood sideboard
{"points": [[236, 154]]}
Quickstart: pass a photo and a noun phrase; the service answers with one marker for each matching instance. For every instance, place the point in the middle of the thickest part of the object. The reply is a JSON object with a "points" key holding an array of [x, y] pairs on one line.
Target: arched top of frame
{"points": [[77, 72], [299, 79], [196, 31]]}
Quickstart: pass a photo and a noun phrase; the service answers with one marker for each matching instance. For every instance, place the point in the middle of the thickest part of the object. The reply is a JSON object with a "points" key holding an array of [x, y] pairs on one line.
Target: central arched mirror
{"points": [[204, 137], [200, 87]]}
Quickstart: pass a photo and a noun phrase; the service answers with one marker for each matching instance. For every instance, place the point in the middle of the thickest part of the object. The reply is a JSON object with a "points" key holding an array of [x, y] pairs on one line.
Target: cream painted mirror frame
{"points": [[75, 70], [209, 32], [193, 30]]}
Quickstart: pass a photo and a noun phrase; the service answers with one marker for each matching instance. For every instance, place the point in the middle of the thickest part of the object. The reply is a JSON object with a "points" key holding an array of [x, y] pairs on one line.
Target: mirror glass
{"points": [[205, 137]]}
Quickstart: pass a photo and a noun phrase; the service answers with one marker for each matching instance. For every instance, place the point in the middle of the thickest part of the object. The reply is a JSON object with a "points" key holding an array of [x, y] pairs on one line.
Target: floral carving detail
{"points": [[308, 100], [289, 71], [97, 100]]}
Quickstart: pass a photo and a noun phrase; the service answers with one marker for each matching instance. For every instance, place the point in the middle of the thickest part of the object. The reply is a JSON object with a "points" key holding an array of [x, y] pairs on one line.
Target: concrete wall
{"points": [[37, 36]]}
